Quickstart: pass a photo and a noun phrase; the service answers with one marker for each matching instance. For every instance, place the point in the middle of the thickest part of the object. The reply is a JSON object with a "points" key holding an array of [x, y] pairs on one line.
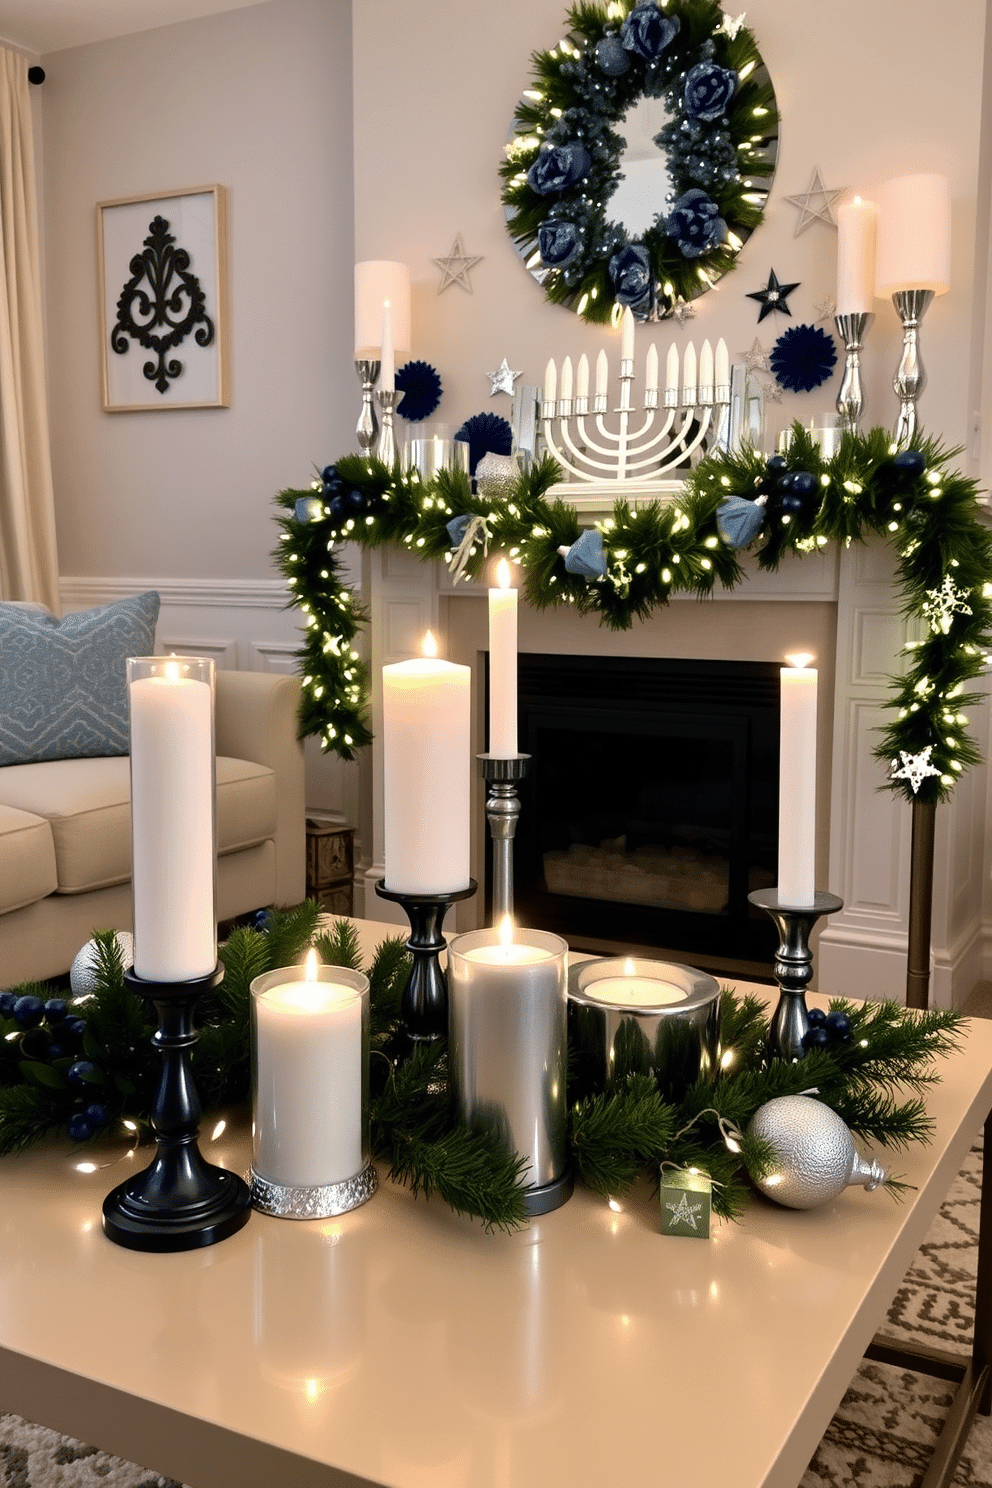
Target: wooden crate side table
{"points": [[331, 865]]}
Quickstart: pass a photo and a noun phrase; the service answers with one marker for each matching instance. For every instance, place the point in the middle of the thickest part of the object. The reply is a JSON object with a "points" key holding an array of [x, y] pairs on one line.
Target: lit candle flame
{"points": [[800, 659], [503, 574], [310, 966], [172, 670], [505, 933], [628, 967], [429, 648]]}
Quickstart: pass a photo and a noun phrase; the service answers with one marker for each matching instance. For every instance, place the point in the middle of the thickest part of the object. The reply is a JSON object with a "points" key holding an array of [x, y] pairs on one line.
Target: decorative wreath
{"points": [[626, 566], [564, 160]]}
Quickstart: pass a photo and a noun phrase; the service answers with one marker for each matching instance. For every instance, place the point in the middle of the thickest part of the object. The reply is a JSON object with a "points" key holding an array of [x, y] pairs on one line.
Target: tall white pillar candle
{"points": [[376, 281], [856, 224], [503, 666], [387, 371], [914, 235], [309, 1057], [171, 703], [426, 750], [797, 785]]}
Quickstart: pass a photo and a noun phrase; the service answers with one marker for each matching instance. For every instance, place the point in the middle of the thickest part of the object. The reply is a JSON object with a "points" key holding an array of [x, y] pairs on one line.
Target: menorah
{"points": [[676, 419]]}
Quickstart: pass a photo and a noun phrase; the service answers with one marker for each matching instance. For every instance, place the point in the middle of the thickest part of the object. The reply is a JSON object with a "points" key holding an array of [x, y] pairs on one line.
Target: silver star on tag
{"points": [[502, 379]]}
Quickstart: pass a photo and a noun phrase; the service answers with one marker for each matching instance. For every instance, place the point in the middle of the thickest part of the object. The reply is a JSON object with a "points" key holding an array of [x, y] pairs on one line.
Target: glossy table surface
{"points": [[400, 1345]]}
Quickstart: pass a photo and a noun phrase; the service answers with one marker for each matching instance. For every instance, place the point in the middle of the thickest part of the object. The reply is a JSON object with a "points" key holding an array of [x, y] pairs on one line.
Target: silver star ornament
{"points": [[915, 767], [815, 203], [455, 267], [502, 379], [755, 360], [683, 310]]}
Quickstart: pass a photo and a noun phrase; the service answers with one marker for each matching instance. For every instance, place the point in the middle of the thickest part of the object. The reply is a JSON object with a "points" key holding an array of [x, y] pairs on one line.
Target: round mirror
{"points": [[641, 156]]}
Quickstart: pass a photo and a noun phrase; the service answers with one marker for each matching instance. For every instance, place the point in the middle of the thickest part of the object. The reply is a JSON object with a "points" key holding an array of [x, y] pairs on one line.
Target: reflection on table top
{"points": [[404, 1346]]}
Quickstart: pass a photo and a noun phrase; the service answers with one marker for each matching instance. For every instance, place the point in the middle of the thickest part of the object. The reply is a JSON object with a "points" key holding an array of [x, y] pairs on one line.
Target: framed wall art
{"points": [[163, 300]]}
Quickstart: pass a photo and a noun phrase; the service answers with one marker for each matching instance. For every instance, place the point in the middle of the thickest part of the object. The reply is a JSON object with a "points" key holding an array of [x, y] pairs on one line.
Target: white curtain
{"points": [[28, 560]]}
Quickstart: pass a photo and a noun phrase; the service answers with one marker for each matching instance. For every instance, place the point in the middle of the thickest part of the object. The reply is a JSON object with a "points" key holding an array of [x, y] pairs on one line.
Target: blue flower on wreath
{"points": [[421, 389], [560, 242], [630, 270], [708, 90], [695, 223], [802, 358], [559, 168], [485, 434], [647, 31]]}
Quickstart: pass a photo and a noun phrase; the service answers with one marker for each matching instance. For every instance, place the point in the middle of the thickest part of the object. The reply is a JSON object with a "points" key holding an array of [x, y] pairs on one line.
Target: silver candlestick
{"points": [[386, 448], [911, 378], [852, 330], [502, 810], [368, 424], [793, 966]]}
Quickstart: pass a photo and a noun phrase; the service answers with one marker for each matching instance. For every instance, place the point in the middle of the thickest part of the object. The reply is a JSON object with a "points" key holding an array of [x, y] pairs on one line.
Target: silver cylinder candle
{"points": [[630, 1016], [507, 1048]]}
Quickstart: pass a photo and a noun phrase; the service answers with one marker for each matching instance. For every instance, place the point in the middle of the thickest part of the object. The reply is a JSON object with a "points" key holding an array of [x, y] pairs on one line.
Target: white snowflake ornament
{"points": [[941, 605]]}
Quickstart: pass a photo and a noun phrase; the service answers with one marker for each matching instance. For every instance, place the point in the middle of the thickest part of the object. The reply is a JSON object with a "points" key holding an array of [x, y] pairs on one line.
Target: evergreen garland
{"points": [[718, 147], [415, 1132], [913, 498]]}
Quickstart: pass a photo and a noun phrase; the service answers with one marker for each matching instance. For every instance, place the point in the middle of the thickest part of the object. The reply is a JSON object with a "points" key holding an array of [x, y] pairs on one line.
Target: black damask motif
{"points": [[160, 305]]}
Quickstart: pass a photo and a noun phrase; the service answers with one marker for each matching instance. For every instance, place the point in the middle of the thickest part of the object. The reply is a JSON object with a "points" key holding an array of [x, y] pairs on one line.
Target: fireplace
{"points": [[650, 809]]}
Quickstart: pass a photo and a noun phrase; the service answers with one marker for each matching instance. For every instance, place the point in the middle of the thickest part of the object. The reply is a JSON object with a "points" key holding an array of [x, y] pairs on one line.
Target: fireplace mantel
{"points": [[840, 605]]}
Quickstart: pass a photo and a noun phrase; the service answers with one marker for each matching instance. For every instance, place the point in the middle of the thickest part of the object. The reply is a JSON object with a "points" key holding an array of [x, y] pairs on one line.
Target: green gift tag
{"points": [[686, 1198]]}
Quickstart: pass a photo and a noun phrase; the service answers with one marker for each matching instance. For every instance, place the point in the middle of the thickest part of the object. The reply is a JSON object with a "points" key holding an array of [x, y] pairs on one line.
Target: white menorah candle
{"points": [[651, 369], [706, 373], [602, 375], [566, 387], [722, 366], [689, 375]]}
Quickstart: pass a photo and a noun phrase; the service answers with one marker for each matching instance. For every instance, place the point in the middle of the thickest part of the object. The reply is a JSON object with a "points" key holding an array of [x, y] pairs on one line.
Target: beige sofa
{"points": [[65, 831]]}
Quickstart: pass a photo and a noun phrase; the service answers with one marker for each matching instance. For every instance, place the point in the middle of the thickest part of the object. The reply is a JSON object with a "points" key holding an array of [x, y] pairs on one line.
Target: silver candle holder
{"points": [[911, 378], [386, 448], [502, 777], [793, 966], [368, 425], [852, 330]]}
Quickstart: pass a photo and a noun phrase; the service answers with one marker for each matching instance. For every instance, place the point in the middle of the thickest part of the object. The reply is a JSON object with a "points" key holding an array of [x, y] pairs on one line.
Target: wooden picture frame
{"points": [[162, 264]]}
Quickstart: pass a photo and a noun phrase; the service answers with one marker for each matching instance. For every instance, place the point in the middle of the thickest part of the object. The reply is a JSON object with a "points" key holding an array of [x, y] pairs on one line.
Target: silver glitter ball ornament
{"points": [[82, 972], [495, 475], [817, 1158]]}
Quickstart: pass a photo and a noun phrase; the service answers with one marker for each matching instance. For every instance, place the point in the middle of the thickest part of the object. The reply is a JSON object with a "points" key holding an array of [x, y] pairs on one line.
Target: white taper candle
{"points": [[503, 663], [797, 784]]}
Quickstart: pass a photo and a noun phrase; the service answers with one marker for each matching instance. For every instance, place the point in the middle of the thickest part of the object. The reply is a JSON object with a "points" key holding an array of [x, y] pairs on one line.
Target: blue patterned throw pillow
{"points": [[63, 683]]}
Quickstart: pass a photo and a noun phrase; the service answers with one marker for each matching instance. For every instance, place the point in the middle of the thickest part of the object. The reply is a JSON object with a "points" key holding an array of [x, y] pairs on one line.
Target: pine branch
{"points": [[291, 931], [470, 1170], [27, 1113], [612, 1136], [339, 946]]}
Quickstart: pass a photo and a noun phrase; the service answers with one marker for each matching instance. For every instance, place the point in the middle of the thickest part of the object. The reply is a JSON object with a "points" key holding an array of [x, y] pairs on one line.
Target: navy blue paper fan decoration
{"points": [[486, 434], [802, 358], [421, 389]]}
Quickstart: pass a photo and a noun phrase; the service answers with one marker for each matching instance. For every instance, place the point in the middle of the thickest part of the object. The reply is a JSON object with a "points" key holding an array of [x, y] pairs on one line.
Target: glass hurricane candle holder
{"points": [[310, 1092]]}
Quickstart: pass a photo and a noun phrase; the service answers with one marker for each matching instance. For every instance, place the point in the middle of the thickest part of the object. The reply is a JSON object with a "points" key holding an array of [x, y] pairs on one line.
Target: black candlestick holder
{"points": [[793, 966], [424, 1005], [179, 1202]]}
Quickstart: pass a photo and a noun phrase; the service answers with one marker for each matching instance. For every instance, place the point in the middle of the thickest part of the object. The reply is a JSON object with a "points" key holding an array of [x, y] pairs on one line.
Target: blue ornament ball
{"points": [[77, 1072], [78, 1127], [56, 1009], [776, 465], [7, 1001], [839, 1025], [612, 58], [29, 1011], [97, 1115], [816, 1038], [910, 462], [817, 1017], [803, 483]]}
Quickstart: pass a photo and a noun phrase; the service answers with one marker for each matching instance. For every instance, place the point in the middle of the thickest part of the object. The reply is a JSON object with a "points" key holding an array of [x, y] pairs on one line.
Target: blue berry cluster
{"points": [[827, 1030], [346, 501], [48, 1038], [792, 492]]}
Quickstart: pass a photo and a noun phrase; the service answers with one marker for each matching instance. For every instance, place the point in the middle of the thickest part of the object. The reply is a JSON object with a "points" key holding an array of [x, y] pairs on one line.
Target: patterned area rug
{"points": [[881, 1436], [884, 1431]]}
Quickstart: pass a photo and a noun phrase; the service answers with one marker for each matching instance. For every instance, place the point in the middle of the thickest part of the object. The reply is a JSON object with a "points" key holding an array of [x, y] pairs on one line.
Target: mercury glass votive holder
{"points": [[632, 1016], [432, 447], [507, 1050], [311, 1140]]}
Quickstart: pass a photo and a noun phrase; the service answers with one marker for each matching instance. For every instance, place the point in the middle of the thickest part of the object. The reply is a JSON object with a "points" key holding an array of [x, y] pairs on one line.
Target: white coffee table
{"points": [[400, 1345]]}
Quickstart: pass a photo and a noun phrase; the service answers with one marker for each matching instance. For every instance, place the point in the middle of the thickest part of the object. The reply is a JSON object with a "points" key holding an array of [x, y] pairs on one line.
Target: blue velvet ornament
{"points": [[802, 358], [739, 520], [485, 434], [586, 557], [457, 528], [909, 462], [421, 389], [611, 57]]}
